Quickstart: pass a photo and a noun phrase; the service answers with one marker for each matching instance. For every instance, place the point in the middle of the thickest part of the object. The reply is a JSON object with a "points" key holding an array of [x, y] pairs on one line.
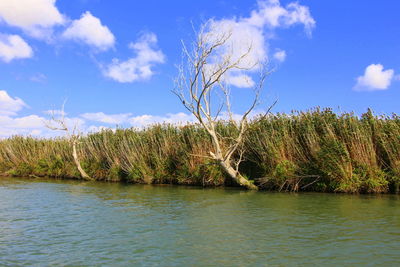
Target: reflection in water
{"points": [[75, 223]]}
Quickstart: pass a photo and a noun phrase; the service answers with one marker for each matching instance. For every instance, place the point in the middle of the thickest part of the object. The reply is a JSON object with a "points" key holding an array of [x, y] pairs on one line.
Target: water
{"points": [[73, 223]]}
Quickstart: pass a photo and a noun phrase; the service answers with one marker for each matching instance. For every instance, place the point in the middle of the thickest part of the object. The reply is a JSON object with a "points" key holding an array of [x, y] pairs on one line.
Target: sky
{"points": [[114, 62]]}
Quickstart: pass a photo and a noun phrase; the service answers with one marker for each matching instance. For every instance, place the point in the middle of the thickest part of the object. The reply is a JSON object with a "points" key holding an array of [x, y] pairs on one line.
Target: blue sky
{"points": [[115, 60]]}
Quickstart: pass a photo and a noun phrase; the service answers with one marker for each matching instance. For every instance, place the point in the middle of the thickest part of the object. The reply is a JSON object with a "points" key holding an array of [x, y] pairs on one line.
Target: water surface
{"points": [[76, 223]]}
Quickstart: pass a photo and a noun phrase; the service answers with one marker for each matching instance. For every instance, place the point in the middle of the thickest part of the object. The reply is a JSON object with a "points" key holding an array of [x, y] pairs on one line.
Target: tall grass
{"points": [[316, 150]]}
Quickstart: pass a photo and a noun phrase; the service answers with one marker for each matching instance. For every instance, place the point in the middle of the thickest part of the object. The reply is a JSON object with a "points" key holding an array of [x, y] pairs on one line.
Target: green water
{"points": [[73, 223]]}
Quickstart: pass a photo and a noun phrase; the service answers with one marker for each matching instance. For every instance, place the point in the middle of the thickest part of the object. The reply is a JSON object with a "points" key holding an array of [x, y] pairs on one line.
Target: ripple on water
{"points": [[71, 223]]}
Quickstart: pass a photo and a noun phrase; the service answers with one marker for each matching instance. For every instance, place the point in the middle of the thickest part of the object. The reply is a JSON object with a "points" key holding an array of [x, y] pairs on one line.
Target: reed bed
{"points": [[317, 150]]}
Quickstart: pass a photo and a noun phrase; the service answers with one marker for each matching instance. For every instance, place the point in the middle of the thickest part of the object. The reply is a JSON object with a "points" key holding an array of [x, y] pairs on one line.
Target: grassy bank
{"points": [[314, 151]]}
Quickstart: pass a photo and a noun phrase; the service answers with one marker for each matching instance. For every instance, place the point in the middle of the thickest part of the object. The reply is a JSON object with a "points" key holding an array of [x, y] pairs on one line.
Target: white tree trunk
{"points": [[226, 164], [82, 172], [237, 176]]}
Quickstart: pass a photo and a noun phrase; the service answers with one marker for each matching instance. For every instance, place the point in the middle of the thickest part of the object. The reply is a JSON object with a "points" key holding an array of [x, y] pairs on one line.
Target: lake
{"points": [[51, 222]]}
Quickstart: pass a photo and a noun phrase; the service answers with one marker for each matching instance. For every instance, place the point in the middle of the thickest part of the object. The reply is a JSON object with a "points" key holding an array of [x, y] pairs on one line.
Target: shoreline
{"points": [[316, 150], [220, 187]]}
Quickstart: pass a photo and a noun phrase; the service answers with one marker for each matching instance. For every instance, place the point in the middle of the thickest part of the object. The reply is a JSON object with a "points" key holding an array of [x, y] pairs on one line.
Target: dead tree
{"points": [[59, 124], [202, 75]]}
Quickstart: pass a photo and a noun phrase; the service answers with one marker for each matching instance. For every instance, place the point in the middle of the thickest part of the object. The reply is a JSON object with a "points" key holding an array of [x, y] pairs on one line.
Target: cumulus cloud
{"points": [[280, 55], [11, 125], [13, 47], [89, 29], [254, 32], [26, 125], [239, 79], [34, 125], [139, 67], [38, 19], [35, 17], [10, 105], [106, 118], [374, 78], [25, 122], [271, 14]]}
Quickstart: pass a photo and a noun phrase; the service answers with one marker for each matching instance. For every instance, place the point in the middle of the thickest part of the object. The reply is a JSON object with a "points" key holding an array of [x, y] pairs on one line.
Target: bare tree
{"points": [[59, 124], [202, 75]]}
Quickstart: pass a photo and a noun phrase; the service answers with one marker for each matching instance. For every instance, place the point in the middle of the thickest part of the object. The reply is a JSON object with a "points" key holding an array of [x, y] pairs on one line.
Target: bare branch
{"points": [[59, 124], [204, 72]]}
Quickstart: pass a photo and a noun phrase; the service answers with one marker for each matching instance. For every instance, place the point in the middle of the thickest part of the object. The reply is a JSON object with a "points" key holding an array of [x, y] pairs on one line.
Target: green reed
{"points": [[317, 150]]}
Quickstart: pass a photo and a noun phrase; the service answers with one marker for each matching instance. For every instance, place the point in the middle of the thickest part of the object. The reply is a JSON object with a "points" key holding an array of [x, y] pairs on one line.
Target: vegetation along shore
{"points": [[316, 150]]}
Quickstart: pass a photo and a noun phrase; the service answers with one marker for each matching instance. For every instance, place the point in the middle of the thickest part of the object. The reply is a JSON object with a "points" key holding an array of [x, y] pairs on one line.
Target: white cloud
{"points": [[271, 14], [27, 125], [239, 80], [35, 17], [12, 124], [26, 122], [13, 47], [374, 78], [243, 37], [34, 125], [254, 32], [105, 118], [139, 67], [9, 105], [88, 29], [280, 55]]}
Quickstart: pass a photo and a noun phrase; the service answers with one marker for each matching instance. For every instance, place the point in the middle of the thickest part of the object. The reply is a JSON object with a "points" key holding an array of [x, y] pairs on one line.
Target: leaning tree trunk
{"points": [[82, 172], [226, 164], [236, 176]]}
